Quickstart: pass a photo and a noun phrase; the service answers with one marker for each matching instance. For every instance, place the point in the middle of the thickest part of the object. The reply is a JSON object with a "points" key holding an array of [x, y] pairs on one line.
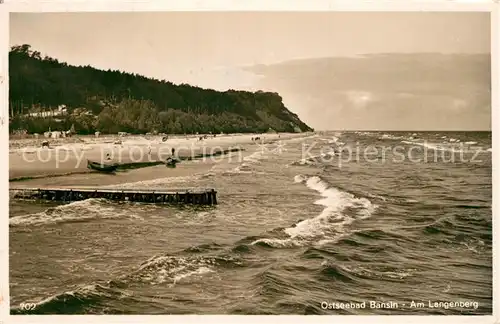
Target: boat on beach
{"points": [[171, 162], [101, 166]]}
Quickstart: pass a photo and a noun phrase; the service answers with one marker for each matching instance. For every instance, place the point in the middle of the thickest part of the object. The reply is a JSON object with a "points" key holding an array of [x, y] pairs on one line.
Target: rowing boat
{"points": [[101, 166]]}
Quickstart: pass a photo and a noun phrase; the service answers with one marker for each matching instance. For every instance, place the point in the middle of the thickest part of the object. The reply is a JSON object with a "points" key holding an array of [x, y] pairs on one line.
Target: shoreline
{"points": [[67, 162], [127, 166]]}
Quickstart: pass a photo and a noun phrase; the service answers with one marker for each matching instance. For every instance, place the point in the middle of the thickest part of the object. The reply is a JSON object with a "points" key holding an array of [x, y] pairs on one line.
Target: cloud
{"points": [[392, 91], [359, 99]]}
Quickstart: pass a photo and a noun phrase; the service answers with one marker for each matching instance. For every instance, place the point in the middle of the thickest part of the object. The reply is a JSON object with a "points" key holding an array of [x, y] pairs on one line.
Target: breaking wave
{"points": [[341, 209], [334, 217], [76, 211]]}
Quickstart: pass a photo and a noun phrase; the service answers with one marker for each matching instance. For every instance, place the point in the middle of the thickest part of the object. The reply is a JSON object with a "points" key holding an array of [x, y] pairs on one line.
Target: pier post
{"points": [[214, 197]]}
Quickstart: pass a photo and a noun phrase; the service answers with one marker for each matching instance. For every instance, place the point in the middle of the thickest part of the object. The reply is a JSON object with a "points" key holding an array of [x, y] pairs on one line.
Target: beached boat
{"points": [[101, 167], [171, 162]]}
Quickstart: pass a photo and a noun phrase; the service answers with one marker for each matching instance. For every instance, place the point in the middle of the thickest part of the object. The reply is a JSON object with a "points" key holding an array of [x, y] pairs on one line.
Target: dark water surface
{"points": [[290, 232]]}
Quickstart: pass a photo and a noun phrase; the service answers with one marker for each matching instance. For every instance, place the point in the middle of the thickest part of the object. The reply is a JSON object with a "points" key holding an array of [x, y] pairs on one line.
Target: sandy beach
{"points": [[35, 165]]}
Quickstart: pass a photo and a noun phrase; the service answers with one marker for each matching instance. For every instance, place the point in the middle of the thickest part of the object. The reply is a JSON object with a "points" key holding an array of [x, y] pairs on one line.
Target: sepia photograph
{"points": [[250, 163]]}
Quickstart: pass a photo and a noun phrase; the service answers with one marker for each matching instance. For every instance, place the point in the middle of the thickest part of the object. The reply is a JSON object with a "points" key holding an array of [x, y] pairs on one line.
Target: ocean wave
{"points": [[166, 269], [255, 157], [276, 243], [317, 158], [244, 168], [433, 146], [330, 223], [172, 269], [370, 134], [248, 161], [153, 183], [298, 139], [75, 211], [454, 147], [85, 299], [203, 248], [390, 137], [337, 273], [272, 284], [386, 273]]}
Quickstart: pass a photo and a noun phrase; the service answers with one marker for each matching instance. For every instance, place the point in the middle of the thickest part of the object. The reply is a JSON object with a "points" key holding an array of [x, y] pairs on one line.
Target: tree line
{"points": [[112, 101]]}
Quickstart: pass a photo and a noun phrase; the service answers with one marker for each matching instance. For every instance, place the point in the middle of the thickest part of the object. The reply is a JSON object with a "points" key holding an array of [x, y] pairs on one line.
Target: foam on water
{"points": [[244, 168], [255, 157], [199, 271], [389, 137], [332, 218], [172, 269], [154, 183], [453, 146], [317, 158], [75, 211], [432, 146], [277, 243]]}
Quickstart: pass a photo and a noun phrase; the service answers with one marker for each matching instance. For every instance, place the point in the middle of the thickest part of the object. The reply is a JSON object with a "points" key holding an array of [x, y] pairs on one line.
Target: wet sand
{"points": [[184, 169], [66, 164]]}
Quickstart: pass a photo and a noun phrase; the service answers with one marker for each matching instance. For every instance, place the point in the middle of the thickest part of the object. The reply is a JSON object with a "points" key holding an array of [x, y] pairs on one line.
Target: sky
{"points": [[208, 49]]}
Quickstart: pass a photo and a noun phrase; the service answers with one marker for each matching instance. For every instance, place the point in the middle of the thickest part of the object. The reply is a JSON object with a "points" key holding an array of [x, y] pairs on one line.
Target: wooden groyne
{"points": [[172, 196]]}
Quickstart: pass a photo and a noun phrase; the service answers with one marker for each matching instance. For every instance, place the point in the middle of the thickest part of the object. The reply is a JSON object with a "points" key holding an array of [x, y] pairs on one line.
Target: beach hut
{"points": [[97, 134]]}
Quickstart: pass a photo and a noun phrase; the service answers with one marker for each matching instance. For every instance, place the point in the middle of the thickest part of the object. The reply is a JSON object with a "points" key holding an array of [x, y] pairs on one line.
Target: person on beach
{"points": [[173, 151]]}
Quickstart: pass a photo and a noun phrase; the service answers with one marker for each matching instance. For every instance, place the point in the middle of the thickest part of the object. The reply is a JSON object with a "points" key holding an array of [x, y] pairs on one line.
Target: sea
{"points": [[331, 223]]}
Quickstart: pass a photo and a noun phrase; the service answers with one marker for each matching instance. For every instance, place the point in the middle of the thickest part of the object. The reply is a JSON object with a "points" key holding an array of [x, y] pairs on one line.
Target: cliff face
{"points": [[111, 101]]}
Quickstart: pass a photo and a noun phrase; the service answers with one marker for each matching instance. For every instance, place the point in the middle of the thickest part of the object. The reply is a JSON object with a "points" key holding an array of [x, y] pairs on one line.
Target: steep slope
{"points": [[120, 101]]}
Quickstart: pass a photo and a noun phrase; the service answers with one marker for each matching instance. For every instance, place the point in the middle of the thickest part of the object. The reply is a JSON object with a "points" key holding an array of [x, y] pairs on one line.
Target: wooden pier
{"points": [[172, 196]]}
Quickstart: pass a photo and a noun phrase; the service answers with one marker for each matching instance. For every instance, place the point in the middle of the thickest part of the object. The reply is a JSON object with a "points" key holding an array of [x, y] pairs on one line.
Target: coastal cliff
{"points": [[45, 92]]}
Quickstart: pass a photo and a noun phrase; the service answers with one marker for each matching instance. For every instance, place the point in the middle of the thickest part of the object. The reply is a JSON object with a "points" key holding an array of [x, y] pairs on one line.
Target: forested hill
{"points": [[113, 101]]}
